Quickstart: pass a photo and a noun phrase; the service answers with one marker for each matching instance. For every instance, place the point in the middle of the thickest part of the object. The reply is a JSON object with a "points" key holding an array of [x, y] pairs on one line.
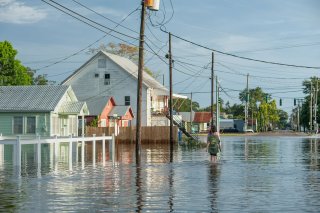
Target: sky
{"points": [[285, 31]]}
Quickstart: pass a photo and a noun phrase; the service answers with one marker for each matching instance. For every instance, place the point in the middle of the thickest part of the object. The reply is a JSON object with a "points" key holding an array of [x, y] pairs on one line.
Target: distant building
{"points": [[40, 110], [107, 74], [201, 121], [104, 109]]}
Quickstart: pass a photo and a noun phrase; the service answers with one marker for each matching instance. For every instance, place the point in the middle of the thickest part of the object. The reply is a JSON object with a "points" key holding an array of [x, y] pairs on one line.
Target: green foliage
{"points": [[183, 105], [12, 72], [94, 123], [305, 107]]}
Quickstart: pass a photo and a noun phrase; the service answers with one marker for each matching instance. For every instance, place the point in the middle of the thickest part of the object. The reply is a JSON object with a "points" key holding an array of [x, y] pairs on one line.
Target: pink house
{"points": [[104, 111]]}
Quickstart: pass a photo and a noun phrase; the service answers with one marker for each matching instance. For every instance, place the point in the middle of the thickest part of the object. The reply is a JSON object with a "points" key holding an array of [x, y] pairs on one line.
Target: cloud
{"points": [[15, 12]]}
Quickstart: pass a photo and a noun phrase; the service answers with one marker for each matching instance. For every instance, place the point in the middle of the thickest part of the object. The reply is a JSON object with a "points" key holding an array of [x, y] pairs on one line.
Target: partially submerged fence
{"points": [[18, 142], [156, 134]]}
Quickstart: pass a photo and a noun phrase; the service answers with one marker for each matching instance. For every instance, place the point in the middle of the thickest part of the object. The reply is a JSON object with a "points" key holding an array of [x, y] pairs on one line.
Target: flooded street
{"points": [[254, 174]]}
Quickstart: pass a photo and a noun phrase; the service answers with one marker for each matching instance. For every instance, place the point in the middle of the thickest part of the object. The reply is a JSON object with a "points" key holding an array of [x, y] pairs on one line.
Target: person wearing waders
{"points": [[213, 143]]}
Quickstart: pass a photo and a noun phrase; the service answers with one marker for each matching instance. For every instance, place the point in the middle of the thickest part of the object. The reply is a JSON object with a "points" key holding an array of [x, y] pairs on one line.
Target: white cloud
{"points": [[15, 12]]}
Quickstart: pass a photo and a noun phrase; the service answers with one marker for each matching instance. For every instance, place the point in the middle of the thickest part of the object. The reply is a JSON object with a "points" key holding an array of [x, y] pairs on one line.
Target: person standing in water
{"points": [[213, 143]]}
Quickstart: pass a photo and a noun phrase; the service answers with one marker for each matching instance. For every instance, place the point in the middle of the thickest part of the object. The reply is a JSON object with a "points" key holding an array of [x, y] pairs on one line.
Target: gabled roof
{"points": [[73, 108], [202, 117], [97, 104], [121, 111], [126, 65], [40, 98]]}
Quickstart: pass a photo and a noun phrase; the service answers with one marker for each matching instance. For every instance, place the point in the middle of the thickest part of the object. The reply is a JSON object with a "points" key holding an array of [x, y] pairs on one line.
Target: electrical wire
{"points": [[88, 46], [240, 57]]}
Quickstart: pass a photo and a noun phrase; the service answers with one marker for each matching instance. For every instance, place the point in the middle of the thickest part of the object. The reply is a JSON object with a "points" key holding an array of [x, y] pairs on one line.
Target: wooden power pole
{"points": [[139, 86], [170, 101], [212, 86]]}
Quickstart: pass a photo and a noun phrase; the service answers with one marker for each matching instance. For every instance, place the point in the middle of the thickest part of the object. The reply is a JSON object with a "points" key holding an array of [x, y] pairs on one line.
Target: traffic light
{"points": [[280, 102], [294, 102]]}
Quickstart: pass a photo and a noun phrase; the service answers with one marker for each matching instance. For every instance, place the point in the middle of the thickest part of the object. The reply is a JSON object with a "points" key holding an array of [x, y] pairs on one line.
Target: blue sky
{"points": [[285, 31]]}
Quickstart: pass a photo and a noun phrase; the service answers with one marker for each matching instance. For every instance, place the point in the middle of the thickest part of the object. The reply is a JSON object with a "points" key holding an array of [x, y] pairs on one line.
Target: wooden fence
{"points": [[149, 134]]}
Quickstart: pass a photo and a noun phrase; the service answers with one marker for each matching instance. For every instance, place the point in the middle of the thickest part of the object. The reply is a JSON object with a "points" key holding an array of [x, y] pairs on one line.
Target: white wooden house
{"points": [[107, 74], [39, 110]]}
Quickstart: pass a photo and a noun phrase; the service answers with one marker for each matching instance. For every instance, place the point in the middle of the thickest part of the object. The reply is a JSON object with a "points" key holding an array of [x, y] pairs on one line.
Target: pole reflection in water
{"points": [[171, 189], [139, 204], [314, 153], [213, 185]]}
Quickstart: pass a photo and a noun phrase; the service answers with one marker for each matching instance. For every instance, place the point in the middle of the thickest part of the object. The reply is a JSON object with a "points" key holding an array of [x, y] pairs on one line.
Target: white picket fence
{"points": [[19, 141]]}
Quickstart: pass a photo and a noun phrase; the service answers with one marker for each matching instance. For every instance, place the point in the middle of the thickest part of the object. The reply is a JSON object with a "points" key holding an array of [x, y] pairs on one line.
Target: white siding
{"points": [[86, 85]]}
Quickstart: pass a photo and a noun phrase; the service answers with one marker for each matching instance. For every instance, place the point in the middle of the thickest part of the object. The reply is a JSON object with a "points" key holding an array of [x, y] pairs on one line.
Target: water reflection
{"points": [[213, 185], [254, 175], [139, 189]]}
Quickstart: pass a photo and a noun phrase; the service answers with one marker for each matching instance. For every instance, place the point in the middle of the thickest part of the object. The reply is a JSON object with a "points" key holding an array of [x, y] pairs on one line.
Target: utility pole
{"points": [[311, 104], [217, 105], [246, 106], [298, 117], [140, 77], [315, 106], [170, 101], [212, 86], [191, 113]]}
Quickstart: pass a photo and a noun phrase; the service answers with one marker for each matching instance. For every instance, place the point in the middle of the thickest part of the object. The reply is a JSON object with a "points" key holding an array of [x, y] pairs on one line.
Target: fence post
{"points": [[113, 149], [56, 148], [70, 152], [103, 149], [38, 156], [82, 152], [94, 150], [18, 152]]}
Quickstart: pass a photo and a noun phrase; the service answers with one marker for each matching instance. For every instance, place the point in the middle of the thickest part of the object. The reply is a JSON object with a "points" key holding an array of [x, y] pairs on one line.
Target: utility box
{"points": [[152, 4]]}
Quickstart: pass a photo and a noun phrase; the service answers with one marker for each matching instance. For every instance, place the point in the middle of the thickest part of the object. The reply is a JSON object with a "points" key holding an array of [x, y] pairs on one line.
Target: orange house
{"points": [[102, 110]]}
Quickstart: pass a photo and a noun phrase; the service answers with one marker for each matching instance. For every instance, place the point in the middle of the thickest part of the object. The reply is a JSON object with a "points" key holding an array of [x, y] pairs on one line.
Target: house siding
{"points": [[86, 85], [42, 123]]}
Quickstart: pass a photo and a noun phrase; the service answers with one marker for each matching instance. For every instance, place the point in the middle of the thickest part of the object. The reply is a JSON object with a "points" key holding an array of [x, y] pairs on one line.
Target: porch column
{"points": [[82, 125]]}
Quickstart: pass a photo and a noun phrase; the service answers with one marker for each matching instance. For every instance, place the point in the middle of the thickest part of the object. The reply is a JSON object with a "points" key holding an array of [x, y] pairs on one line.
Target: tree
{"points": [[124, 50], [12, 72], [283, 119], [183, 105]]}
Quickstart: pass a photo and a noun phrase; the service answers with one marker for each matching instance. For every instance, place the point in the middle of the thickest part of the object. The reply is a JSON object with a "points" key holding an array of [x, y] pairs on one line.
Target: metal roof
{"points": [[119, 110], [39, 98], [72, 108], [97, 104]]}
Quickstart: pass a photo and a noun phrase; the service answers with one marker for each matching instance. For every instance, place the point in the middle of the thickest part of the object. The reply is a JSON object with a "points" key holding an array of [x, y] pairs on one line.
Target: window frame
{"points": [[34, 125], [14, 125], [127, 102], [107, 79]]}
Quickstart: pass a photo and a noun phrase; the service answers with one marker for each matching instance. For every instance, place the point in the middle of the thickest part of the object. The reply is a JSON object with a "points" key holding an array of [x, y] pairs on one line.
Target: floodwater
{"points": [[254, 174]]}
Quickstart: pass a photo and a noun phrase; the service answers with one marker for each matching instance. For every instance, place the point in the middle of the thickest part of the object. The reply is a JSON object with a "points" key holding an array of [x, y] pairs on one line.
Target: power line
{"points": [[103, 16], [241, 57], [90, 45], [90, 20]]}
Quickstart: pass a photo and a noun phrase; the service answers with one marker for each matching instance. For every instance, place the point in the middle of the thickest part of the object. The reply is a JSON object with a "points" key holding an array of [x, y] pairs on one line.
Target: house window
{"points": [[31, 125], [17, 125], [107, 79], [102, 63], [127, 100], [96, 75]]}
